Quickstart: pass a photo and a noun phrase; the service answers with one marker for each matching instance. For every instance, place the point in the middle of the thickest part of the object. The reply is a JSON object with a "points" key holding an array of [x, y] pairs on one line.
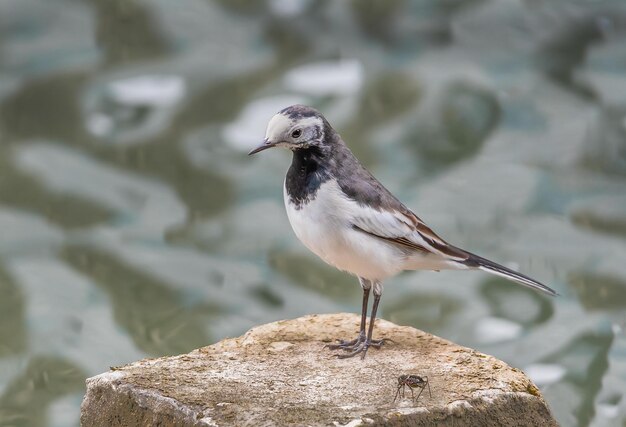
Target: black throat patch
{"points": [[305, 176]]}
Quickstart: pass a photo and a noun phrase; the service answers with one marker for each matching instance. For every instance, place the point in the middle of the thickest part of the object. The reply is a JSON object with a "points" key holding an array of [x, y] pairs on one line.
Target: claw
{"points": [[347, 345], [359, 345], [343, 344], [361, 348], [379, 343]]}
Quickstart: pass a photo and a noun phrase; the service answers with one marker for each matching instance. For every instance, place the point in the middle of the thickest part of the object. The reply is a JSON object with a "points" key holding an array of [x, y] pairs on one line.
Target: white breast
{"points": [[323, 225]]}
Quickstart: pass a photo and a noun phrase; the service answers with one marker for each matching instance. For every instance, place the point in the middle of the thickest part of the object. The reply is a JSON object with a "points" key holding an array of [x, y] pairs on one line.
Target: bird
{"points": [[344, 215]]}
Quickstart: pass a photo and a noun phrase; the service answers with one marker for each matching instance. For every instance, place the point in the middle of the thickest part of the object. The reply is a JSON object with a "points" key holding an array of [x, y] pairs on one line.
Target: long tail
{"points": [[500, 270]]}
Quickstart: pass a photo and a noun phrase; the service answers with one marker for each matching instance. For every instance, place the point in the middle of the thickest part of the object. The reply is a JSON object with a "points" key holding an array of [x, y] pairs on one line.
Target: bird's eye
{"points": [[296, 133]]}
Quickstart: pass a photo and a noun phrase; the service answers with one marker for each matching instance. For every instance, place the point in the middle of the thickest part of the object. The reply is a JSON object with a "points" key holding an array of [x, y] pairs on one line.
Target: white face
{"points": [[277, 127], [280, 128]]}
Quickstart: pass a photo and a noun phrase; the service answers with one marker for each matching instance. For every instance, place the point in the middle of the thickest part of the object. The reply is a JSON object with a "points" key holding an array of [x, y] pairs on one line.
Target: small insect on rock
{"points": [[412, 381]]}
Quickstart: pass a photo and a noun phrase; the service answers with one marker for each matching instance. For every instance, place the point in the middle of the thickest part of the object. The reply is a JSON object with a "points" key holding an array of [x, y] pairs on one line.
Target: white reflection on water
{"points": [[343, 77], [132, 109], [157, 90], [491, 330], [543, 374], [288, 8], [65, 411]]}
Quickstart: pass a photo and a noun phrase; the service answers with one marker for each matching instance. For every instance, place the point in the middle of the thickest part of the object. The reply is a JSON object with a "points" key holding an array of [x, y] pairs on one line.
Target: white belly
{"points": [[323, 225]]}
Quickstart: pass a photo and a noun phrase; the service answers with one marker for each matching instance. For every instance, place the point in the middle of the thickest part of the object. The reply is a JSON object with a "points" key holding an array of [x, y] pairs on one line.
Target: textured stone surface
{"points": [[280, 374]]}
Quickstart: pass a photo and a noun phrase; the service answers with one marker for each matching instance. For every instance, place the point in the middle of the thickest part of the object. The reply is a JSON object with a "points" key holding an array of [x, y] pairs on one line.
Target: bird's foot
{"points": [[347, 345], [359, 345]]}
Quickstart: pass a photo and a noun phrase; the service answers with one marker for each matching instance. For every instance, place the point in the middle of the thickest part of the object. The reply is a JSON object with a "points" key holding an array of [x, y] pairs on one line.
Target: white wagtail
{"points": [[350, 220]]}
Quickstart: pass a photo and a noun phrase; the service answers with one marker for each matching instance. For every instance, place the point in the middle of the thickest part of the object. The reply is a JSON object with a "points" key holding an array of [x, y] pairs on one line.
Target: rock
{"points": [[281, 374]]}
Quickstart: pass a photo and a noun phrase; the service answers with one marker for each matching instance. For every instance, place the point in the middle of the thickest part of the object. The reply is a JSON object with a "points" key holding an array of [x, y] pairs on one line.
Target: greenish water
{"points": [[132, 223]]}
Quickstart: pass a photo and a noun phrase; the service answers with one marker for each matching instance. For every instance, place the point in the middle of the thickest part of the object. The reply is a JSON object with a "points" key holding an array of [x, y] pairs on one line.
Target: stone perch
{"points": [[280, 374]]}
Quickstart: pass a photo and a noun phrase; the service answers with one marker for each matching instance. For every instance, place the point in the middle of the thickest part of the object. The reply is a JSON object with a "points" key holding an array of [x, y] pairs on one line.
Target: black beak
{"points": [[264, 146]]}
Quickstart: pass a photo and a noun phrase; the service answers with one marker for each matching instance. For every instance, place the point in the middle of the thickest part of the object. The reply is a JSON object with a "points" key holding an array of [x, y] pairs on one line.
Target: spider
{"points": [[412, 381]]}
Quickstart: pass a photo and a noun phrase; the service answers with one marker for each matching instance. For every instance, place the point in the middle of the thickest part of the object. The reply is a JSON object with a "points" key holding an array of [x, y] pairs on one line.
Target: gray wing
{"points": [[381, 214], [403, 227]]}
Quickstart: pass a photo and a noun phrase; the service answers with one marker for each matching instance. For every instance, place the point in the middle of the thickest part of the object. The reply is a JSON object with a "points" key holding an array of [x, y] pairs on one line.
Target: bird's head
{"points": [[295, 127]]}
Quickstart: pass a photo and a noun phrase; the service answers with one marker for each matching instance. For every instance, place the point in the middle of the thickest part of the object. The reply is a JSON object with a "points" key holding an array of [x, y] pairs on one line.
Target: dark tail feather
{"points": [[500, 270]]}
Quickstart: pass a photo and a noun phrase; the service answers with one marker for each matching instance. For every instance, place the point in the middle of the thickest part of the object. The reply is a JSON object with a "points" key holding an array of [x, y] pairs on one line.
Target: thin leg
{"points": [[370, 331], [419, 394], [364, 346], [397, 393], [422, 389], [366, 297], [363, 342], [351, 345]]}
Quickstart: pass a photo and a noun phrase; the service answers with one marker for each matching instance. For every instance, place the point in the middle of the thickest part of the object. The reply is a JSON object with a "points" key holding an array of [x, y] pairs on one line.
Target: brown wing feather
{"points": [[398, 240], [431, 237]]}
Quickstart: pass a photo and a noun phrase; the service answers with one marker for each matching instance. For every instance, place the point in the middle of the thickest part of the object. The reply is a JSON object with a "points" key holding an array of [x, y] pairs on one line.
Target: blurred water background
{"points": [[132, 223]]}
